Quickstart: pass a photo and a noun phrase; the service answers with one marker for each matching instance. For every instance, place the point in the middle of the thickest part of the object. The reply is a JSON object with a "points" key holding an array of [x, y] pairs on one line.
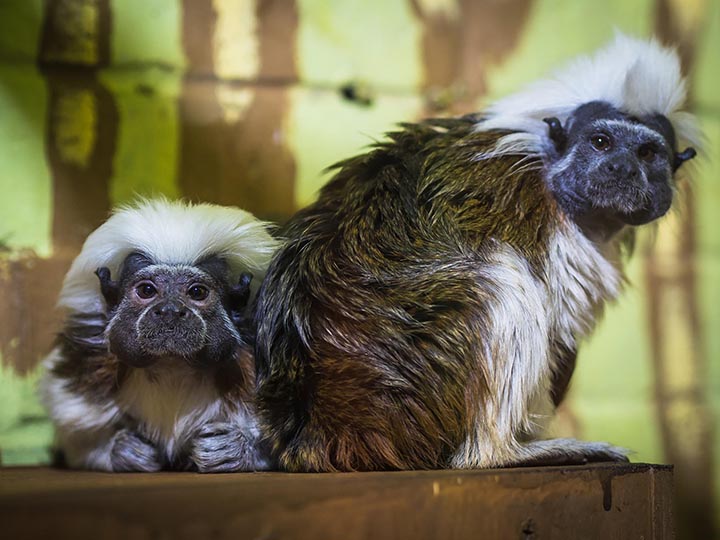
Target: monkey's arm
{"points": [[562, 372], [566, 451], [91, 431], [111, 449]]}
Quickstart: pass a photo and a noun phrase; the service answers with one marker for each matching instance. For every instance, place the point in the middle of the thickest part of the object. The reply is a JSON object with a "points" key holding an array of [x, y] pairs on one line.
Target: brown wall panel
{"points": [[239, 159]]}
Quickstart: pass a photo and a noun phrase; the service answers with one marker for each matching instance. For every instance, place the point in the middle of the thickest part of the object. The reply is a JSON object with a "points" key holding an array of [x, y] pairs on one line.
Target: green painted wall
{"points": [[146, 157], [340, 43], [550, 37], [24, 174], [707, 82]]}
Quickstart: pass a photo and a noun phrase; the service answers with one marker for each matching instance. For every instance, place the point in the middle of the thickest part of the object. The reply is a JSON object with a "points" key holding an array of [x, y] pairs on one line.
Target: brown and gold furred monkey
{"points": [[153, 368], [426, 311]]}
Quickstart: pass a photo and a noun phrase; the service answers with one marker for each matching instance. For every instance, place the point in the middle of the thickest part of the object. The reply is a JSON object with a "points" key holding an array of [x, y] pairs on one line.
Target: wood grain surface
{"points": [[597, 501]]}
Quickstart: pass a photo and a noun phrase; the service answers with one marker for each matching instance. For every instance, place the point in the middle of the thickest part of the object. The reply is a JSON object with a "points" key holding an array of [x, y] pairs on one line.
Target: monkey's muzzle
{"points": [[171, 329]]}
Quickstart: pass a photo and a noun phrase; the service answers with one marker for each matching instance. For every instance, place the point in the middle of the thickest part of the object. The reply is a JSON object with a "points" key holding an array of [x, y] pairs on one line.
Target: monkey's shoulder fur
{"points": [[428, 184], [425, 311]]}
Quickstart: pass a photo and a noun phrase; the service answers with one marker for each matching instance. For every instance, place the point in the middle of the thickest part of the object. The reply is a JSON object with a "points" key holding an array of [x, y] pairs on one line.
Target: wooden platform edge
{"points": [[593, 501]]}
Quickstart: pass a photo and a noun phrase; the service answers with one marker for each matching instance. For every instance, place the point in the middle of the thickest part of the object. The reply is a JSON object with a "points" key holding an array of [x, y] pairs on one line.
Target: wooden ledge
{"points": [[594, 501]]}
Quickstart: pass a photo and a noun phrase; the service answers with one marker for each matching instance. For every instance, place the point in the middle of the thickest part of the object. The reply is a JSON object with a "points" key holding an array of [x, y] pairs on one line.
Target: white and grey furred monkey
{"points": [[153, 368], [426, 311]]}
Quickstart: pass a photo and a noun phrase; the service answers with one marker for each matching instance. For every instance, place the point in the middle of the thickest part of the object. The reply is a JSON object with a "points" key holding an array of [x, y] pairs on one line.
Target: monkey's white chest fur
{"points": [[529, 317], [171, 402], [581, 277]]}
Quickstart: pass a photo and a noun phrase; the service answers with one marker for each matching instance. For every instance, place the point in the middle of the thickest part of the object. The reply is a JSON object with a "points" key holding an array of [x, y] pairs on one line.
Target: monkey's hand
{"points": [[133, 453], [224, 447]]}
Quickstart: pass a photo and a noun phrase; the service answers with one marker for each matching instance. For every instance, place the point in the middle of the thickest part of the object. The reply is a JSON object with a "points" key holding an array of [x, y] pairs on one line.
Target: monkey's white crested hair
{"points": [[169, 232], [637, 77]]}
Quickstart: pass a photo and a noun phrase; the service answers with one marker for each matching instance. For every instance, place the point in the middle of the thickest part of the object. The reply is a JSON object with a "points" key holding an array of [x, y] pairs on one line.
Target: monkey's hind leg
{"points": [[567, 452]]}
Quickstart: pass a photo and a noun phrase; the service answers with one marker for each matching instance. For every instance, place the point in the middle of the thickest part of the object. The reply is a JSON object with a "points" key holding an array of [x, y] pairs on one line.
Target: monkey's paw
{"points": [[133, 453], [224, 447]]}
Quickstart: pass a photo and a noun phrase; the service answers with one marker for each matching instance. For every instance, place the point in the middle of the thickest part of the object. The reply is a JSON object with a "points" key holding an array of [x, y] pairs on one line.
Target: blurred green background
{"points": [[245, 102]]}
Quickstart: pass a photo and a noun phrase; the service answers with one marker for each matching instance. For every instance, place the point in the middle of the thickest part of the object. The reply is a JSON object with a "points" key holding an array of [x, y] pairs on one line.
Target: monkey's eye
{"points": [[146, 290], [601, 142], [647, 152], [198, 293]]}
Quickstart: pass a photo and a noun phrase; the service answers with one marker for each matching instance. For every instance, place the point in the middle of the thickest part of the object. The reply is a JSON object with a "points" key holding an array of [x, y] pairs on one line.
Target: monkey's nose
{"points": [[622, 169], [169, 312]]}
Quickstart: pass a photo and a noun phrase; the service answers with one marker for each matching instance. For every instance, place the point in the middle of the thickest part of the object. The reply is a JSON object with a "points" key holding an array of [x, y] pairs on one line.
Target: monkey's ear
{"points": [[109, 288], [556, 133], [682, 157], [238, 297], [133, 263]]}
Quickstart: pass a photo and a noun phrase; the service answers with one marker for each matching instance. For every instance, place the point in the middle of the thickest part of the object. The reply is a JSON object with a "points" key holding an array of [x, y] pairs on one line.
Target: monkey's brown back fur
{"points": [[370, 348]]}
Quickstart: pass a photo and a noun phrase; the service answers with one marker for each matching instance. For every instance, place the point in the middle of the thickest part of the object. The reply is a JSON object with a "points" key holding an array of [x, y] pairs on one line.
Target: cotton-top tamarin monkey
{"points": [[153, 368], [426, 310]]}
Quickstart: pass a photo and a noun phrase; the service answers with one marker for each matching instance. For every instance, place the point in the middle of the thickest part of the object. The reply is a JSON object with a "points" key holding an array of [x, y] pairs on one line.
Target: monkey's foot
{"points": [[223, 447], [568, 452], [133, 453]]}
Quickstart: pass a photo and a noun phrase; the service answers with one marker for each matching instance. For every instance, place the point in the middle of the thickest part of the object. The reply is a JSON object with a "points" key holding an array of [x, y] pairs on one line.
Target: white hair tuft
{"points": [[637, 77], [170, 232]]}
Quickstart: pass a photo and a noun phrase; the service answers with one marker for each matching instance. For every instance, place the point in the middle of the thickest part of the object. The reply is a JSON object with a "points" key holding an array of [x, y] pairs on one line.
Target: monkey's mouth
{"points": [[643, 216], [630, 203], [171, 341]]}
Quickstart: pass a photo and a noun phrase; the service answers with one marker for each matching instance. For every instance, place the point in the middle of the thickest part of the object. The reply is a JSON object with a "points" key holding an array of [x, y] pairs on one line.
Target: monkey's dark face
{"points": [[613, 168], [173, 311]]}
